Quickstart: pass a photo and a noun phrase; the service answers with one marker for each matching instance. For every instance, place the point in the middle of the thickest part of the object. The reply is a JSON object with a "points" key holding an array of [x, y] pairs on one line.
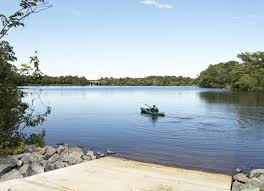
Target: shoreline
{"points": [[36, 161], [117, 174], [186, 167]]}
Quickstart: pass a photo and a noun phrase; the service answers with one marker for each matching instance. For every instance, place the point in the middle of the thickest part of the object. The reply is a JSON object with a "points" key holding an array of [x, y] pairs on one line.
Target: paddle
{"points": [[148, 105]]}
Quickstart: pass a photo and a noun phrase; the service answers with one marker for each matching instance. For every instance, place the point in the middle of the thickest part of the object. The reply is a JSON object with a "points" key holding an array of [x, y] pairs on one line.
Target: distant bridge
{"points": [[95, 82]]}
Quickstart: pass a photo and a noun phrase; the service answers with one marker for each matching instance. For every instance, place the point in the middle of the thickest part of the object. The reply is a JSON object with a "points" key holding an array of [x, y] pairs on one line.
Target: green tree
{"points": [[246, 75], [15, 115]]}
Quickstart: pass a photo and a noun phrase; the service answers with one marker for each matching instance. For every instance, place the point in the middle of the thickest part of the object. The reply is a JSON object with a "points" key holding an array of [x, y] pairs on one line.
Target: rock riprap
{"points": [[252, 182], [37, 160]]}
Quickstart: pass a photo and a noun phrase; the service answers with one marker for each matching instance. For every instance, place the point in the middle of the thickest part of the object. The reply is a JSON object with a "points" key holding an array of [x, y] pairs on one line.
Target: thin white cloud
{"points": [[236, 18], [252, 16], [246, 19], [75, 12], [157, 4]]}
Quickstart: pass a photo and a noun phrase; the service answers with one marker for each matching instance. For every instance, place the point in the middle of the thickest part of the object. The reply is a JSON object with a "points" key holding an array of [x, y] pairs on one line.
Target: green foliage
{"points": [[15, 115], [27, 8], [5, 151], [247, 75], [149, 81], [49, 80], [36, 139]]}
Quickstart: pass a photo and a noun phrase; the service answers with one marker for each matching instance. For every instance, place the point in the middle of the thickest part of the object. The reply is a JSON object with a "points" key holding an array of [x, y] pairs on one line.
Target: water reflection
{"points": [[153, 119], [247, 105], [237, 98]]}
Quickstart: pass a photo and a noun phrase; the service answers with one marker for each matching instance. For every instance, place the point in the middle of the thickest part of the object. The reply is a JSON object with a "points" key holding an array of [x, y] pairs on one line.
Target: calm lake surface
{"points": [[207, 129]]}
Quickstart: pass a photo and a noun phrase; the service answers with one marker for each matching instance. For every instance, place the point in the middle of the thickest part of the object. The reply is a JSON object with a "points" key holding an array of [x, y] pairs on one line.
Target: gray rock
{"points": [[256, 173], [50, 166], [47, 165], [76, 149], [60, 164], [20, 156], [24, 170], [13, 174], [54, 158], [25, 158], [50, 151], [19, 163], [35, 168], [241, 178], [87, 158], [236, 186], [90, 153], [80, 146], [30, 148], [12, 162], [4, 168], [238, 170], [261, 179], [252, 185], [35, 158], [109, 152], [61, 149], [250, 189], [73, 155]]}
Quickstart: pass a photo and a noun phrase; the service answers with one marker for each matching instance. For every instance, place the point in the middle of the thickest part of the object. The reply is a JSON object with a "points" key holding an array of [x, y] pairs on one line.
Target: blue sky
{"points": [[138, 38]]}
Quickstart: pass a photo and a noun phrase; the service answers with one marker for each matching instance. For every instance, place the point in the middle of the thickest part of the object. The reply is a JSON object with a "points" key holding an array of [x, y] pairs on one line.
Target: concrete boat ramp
{"points": [[115, 174]]}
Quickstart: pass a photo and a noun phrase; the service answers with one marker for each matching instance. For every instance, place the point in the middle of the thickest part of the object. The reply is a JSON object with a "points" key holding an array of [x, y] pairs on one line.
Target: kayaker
{"points": [[154, 109]]}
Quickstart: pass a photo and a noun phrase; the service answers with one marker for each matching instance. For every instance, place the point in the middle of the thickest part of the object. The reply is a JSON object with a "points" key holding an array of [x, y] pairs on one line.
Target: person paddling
{"points": [[154, 109]]}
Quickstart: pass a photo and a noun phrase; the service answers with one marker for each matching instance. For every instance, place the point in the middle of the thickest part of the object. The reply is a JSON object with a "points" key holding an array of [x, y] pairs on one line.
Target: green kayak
{"points": [[147, 111]]}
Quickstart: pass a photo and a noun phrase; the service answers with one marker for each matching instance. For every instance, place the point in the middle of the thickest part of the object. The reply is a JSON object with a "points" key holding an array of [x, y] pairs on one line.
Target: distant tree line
{"points": [[245, 75], [50, 80], [149, 81]]}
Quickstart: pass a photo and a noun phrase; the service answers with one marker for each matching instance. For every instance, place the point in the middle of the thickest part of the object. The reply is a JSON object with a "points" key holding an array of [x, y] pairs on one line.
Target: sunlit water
{"points": [[208, 129]]}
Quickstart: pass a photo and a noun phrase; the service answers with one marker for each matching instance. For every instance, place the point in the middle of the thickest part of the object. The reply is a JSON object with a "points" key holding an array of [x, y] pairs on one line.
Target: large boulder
{"points": [[109, 152], [41, 150], [90, 153], [241, 178], [238, 170], [4, 168], [256, 173], [253, 184], [55, 157], [19, 163], [236, 186], [25, 158], [35, 158], [13, 174], [36, 168], [50, 151], [62, 148], [47, 165], [250, 188], [25, 170], [73, 155], [20, 156], [60, 164], [12, 162], [87, 158]]}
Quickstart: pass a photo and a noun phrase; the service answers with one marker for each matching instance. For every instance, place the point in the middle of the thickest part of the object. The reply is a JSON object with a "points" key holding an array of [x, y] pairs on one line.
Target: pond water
{"points": [[208, 129]]}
